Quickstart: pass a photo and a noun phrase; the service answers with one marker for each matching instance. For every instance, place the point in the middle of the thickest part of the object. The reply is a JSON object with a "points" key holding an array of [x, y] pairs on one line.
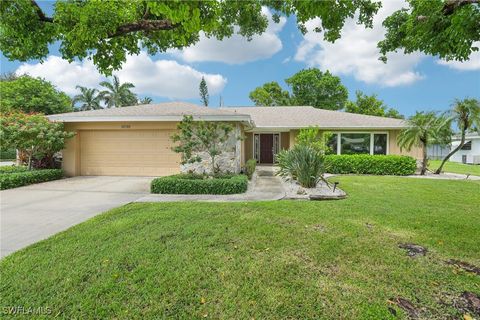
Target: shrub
{"points": [[250, 166], [303, 163], [200, 184], [18, 179], [12, 169], [371, 164], [8, 154]]}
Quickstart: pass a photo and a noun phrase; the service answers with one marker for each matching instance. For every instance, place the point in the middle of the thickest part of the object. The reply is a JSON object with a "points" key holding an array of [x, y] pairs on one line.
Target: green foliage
{"points": [[312, 87], [466, 115], [8, 154], [118, 94], [145, 100], [302, 163], [199, 184], [12, 169], [33, 134], [422, 129], [27, 94], [447, 29], [90, 99], [250, 167], [200, 136], [18, 179], [370, 164], [204, 92], [270, 94], [371, 105], [313, 137], [111, 30]]}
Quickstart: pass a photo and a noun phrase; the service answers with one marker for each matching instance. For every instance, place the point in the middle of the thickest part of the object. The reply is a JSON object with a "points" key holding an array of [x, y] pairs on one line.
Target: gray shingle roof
{"points": [[263, 117], [167, 111], [298, 117]]}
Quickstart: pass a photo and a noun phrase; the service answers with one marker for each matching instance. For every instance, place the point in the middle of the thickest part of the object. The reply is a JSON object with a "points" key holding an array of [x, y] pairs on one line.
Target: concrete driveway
{"points": [[33, 213]]}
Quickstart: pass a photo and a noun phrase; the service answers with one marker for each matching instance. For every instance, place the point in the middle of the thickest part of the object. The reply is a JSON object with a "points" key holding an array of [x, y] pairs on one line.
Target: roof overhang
{"points": [[358, 128], [175, 118]]}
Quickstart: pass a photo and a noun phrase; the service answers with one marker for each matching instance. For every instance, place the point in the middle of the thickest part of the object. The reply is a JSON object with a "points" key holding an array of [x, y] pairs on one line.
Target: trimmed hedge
{"points": [[18, 179], [371, 164], [8, 154], [12, 169], [199, 184]]}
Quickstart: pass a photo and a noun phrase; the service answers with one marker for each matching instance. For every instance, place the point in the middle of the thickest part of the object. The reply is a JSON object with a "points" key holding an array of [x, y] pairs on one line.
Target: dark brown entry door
{"points": [[266, 148]]}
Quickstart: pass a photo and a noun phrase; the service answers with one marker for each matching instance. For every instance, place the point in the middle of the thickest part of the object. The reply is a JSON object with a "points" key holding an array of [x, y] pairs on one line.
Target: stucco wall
{"points": [[473, 155], [415, 152]]}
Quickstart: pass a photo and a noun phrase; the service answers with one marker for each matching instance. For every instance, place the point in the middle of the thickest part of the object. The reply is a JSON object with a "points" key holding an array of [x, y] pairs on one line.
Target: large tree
{"points": [[466, 115], [112, 29], [89, 99], [27, 94], [312, 87], [371, 105], [444, 28], [422, 129], [118, 94], [270, 94]]}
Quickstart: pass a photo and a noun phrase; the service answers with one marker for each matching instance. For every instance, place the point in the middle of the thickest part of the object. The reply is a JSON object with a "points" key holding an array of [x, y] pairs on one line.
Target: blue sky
{"points": [[235, 67]]}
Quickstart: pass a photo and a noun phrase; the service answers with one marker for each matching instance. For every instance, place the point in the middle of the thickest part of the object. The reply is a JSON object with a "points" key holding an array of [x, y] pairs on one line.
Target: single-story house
{"points": [[136, 140], [470, 152]]}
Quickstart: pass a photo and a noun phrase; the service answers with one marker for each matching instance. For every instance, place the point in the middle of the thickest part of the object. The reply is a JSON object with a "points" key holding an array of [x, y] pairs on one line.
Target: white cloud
{"points": [[236, 49], [356, 52], [63, 74], [472, 64], [165, 78]]}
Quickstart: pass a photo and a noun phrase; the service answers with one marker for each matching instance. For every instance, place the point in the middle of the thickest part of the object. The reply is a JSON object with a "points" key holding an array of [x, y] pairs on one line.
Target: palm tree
{"points": [[90, 99], [118, 94], [466, 114], [422, 128], [146, 100]]}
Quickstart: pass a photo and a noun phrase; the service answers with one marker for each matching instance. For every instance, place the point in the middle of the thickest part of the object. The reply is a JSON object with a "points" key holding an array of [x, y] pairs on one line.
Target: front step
{"points": [[264, 171]]}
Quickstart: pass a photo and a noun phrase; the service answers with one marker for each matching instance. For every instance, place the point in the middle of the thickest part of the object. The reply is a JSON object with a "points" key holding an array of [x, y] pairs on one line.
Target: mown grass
{"points": [[455, 167], [263, 260]]}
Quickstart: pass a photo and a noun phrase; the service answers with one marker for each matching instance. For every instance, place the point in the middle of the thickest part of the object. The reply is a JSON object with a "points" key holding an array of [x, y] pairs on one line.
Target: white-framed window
{"points": [[374, 143]]}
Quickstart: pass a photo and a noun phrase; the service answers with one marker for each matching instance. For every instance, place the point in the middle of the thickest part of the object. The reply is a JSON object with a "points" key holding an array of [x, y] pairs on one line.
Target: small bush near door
{"points": [[371, 164], [23, 178], [250, 166], [200, 184]]}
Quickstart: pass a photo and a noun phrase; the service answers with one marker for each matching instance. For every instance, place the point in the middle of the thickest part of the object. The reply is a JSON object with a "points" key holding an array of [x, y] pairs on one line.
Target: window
{"points": [[256, 147], [332, 144], [379, 143], [355, 143], [467, 146]]}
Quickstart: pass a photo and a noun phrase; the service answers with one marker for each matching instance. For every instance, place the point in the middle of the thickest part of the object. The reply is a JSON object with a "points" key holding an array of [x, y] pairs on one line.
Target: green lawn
{"points": [[455, 167], [270, 260]]}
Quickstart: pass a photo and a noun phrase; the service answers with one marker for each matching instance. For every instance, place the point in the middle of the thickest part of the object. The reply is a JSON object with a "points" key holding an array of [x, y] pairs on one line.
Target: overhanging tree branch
{"points": [[451, 5], [143, 25], [40, 13]]}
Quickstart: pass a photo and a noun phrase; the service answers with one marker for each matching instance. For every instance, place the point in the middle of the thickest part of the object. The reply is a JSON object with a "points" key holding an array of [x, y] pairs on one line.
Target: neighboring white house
{"points": [[470, 152]]}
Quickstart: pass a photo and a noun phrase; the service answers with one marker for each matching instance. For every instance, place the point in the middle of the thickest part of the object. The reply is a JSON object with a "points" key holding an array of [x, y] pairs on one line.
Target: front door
{"points": [[266, 148]]}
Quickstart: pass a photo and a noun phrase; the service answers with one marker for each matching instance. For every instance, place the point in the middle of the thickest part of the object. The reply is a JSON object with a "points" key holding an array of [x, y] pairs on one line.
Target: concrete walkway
{"points": [[261, 188], [32, 213]]}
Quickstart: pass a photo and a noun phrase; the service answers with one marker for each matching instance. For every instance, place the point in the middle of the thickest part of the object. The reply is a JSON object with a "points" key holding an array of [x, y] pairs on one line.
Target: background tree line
{"points": [[312, 87]]}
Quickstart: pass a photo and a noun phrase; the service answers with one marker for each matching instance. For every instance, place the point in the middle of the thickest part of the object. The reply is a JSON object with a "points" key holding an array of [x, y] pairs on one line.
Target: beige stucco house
{"points": [[136, 140]]}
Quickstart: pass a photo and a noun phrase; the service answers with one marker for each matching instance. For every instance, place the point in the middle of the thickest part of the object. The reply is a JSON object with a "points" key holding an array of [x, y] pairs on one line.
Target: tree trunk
{"points": [[213, 165], [29, 161], [424, 160], [462, 142]]}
